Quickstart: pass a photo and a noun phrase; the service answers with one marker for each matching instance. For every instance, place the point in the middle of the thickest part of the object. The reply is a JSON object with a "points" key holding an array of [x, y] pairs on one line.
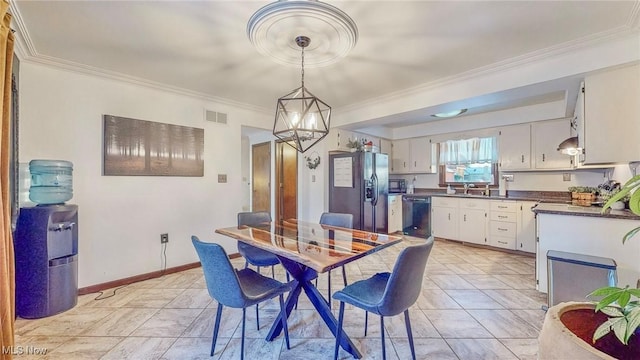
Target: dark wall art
{"points": [[139, 147]]}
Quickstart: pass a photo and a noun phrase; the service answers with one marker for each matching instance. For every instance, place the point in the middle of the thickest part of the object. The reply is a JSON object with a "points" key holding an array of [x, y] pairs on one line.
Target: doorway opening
{"points": [[287, 182]]}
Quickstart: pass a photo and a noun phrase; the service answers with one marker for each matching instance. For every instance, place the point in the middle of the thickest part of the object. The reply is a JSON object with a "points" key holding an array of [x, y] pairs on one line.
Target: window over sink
{"points": [[468, 161]]}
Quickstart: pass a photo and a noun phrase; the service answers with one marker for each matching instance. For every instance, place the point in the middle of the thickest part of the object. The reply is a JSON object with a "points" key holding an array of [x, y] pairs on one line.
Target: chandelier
{"points": [[301, 118]]}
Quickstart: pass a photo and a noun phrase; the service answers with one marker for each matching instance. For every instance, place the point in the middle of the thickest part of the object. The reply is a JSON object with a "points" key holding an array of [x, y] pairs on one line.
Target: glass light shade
{"points": [[301, 119], [450, 113]]}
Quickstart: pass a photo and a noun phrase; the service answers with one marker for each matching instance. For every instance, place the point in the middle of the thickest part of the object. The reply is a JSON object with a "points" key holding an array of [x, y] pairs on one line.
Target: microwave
{"points": [[397, 186]]}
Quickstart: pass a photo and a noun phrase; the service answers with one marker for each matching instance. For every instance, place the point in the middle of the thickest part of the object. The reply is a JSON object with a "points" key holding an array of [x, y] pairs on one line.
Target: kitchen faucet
{"points": [[466, 188]]}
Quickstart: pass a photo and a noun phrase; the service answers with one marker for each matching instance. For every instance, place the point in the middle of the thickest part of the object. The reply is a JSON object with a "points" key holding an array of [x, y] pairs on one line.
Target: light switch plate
{"points": [[566, 177], [222, 178]]}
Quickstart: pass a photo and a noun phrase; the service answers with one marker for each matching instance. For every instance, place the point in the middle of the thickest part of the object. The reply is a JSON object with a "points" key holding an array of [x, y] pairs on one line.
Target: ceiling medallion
{"points": [[273, 26]]}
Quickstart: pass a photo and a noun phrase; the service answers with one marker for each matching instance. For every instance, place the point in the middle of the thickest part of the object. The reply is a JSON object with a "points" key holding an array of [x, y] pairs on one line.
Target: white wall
{"points": [[121, 217]]}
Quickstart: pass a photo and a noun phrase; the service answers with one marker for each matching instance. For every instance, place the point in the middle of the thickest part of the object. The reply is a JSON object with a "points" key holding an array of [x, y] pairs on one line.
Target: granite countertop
{"points": [[538, 196], [593, 211]]}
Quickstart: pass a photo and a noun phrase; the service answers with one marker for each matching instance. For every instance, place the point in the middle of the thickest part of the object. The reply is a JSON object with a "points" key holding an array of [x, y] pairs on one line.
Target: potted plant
{"points": [[607, 329]]}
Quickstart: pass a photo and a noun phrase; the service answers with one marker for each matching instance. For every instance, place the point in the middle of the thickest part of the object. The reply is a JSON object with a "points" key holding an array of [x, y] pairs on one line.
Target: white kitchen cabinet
{"points": [[400, 156], [385, 148], [444, 217], [395, 213], [411, 156], [546, 136], [611, 116], [473, 220], [503, 224], [526, 226], [338, 139], [514, 146], [420, 155]]}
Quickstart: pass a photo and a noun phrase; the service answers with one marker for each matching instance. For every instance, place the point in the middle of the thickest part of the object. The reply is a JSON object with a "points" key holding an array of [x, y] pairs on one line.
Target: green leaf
{"points": [[634, 292], [607, 300], [612, 311], [603, 329], [624, 298], [605, 291], [633, 320], [630, 234], [620, 329], [634, 203]]}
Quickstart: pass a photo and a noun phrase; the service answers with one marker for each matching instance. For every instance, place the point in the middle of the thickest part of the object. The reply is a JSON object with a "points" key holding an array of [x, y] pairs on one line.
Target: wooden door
{"points": [[261, 177], [287, 180]]}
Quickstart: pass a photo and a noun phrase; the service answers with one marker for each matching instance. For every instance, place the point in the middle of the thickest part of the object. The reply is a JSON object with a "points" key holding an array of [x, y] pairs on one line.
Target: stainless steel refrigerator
{"points": [[359, 185]]}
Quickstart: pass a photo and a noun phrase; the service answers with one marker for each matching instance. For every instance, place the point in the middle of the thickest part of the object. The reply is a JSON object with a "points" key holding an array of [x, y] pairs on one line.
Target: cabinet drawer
{"points": [[503, 216], [501, 228], [503, 242], [478, 204], [506, 206], [444, 202]]}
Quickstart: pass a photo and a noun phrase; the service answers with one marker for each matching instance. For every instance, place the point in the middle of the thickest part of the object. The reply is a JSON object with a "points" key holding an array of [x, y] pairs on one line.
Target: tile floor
{"points": [[475, 304]]}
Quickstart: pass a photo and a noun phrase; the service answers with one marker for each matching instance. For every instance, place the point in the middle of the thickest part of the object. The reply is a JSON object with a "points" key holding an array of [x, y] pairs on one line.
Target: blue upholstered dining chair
{"points": [[340, 220], [236, 288], [253, 255], [388, 294]]}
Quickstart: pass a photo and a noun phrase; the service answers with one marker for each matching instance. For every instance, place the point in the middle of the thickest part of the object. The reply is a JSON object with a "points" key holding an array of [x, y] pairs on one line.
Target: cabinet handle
{"points": [[449, 216], [502, 242], [501, 207], [543, 158], [465, 217], [415, 164], [501, 229], [404, 164], [522, 158], [502, 217]]}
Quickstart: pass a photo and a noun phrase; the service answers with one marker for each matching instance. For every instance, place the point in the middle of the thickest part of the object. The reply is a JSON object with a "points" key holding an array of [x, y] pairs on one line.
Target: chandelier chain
{"points": [[303, 67]]}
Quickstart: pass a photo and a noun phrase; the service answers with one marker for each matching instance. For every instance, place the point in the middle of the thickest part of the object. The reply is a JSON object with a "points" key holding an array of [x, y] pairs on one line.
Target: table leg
{"points": [[304, 275]]}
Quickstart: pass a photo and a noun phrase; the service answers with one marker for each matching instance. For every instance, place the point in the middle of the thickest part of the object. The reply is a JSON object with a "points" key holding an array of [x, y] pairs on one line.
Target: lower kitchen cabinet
{"points": [[395, 213], [473, 220], [444, 217], [526, 226], [503, 224]]}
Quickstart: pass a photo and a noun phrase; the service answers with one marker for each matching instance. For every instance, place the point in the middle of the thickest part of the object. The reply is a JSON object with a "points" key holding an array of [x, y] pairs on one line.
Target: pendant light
{"points": [[301, 118], [571, 146]]}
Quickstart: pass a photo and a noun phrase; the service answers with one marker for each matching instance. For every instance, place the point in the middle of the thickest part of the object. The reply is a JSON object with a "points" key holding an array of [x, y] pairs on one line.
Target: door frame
{"points": [[253, 181]]}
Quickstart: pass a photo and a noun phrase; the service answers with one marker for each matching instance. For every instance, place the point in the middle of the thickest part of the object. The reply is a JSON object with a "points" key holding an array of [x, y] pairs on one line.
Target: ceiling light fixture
{"points": [[450, 113], [301, 118]]}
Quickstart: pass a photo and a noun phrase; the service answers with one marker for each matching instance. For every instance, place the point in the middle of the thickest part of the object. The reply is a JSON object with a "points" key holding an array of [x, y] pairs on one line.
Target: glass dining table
{"points": [[306, 249]]}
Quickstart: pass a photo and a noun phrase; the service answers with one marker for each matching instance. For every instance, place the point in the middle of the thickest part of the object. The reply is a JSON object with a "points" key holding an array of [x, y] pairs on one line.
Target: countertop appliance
{"points": [[416, 215], [397, 186], [359, 185]]}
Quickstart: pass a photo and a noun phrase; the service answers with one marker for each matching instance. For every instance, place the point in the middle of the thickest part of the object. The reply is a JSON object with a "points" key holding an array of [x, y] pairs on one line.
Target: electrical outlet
{"points": [[566, 177], [508, 177], [164, 238]]}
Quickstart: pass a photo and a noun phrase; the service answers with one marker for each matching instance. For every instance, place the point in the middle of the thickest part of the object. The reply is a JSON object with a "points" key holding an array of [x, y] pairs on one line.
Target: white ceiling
{"points": [[201, 47]]}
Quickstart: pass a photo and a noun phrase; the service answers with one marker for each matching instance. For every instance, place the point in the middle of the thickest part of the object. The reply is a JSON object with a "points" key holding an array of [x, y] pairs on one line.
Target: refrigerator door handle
{"points": [[374, 182]]}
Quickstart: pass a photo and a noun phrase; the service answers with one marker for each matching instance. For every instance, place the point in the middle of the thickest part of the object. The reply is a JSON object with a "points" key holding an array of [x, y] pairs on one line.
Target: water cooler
{"points": [[46, 244]]}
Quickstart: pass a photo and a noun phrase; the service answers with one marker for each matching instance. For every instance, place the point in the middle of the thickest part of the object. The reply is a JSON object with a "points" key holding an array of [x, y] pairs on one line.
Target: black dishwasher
{"points": [[416, 215]]}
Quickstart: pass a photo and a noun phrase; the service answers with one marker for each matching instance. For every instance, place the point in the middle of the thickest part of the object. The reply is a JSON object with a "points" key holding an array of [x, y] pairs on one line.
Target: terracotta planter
{"points": [[557, 342]]}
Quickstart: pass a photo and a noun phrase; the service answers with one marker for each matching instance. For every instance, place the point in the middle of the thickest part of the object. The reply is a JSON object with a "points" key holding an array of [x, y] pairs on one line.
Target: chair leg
{"points": [[339, 331], [283, 315], [257, 318], [366, 322], [329, 287], [344, 276], [216, 327], [409, 334], [384, 352], [273, 272], [246, 264], [244, 313]]}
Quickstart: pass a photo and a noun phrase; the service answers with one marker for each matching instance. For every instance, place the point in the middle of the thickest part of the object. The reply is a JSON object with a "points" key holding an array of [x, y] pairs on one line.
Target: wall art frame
{"points": [[133, 147]]}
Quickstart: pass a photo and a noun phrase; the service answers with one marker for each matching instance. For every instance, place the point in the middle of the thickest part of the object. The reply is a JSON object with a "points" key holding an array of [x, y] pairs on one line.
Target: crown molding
{"points": [[632, 26]]}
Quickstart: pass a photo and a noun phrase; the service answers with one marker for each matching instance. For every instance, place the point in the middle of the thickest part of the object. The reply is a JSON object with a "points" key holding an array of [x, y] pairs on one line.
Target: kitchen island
{"points": [[587, 231]]}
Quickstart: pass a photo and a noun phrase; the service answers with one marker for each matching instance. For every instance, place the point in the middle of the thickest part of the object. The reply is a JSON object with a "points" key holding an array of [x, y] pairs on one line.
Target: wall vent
{"points": [[216, 117]]}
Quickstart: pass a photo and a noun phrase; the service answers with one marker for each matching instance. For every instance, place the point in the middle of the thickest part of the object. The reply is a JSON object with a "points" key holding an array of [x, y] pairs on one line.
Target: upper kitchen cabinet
{"points": [[411, 156], [385, 147], [338, 139], [400, 157], [514, 144], [612, 116], [420, 155], [546, 136]]}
